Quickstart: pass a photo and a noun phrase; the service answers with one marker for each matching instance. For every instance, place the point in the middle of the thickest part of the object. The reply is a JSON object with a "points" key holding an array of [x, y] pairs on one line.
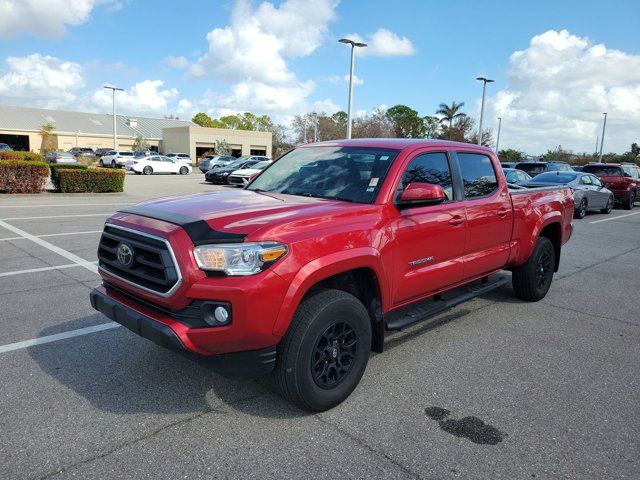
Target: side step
{"points": [[422, 312]]}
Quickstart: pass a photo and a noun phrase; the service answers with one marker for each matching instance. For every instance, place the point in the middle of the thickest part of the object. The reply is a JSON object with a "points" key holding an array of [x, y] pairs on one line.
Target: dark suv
{"points": [[623, 179], [536, 168]]}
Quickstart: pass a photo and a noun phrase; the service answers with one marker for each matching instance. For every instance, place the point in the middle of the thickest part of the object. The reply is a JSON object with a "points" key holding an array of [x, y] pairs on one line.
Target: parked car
{"points": [[182, 157], [157, 164], [82, 152], [622, 179], [210, 161], [508, 164], [576, 168], [536, 168], [4, 147], [303, 271], [515, 176], [102, 151], [116, 158], [145, 153], [219, 175], [60, 157], [241, 177], [588, 191]]}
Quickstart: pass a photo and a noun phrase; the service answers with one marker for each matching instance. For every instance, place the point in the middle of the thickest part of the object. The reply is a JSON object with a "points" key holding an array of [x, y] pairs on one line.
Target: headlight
{"points": [[239, 258]]}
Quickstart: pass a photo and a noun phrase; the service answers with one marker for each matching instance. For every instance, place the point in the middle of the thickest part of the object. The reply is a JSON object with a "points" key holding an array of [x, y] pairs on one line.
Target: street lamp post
{"points": [[484, 81], [604, 125], [113, 90], [498, 139], [353, 45]]}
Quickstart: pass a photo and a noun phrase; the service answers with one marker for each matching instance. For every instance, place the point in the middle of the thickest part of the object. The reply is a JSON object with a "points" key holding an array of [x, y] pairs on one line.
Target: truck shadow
{"points": [[118, 372]]}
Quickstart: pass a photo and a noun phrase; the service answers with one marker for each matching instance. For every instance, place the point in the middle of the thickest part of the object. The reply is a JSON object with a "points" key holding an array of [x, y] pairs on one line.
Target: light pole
{"points": [[353, 47], [604, 125], [113, 90], [484, 81], [498, 139]]}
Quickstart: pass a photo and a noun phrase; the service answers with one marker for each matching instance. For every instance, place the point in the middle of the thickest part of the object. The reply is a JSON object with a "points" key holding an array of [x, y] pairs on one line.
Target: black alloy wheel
{"points": [[544, 271], [609, 207], [334, 355], [581, 211]]}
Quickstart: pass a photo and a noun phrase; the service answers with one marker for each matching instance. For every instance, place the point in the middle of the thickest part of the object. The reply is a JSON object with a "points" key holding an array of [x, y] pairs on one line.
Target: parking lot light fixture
{"points": [[484, 81], [353, 44], [604, 125], [114, 90]]}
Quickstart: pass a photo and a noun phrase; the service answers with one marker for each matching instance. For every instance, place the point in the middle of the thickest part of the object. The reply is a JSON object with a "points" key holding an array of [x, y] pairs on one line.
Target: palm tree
{"points": [[450, 113]]}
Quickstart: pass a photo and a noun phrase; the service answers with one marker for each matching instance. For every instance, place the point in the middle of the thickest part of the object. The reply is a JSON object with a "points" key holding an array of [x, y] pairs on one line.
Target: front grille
{"points": [[236, 180], [151, 265]]}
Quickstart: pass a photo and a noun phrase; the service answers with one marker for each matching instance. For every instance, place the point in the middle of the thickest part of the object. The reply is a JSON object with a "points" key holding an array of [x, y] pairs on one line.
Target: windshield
{"points": [[532, 169], [261, 165], [555, 177], [353, 174], [603, 170]]}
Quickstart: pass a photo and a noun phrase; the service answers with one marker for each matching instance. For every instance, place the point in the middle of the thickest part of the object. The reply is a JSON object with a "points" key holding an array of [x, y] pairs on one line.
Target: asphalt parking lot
{"points": [[544, 390]]}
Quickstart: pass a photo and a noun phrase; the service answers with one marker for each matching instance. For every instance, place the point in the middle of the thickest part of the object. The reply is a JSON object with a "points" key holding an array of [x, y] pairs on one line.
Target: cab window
{"points": [[478, 175], [430, 168]]}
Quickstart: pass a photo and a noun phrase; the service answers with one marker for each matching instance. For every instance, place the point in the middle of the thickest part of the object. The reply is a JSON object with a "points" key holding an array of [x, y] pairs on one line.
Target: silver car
{"points": [[588, 191], [60, 157], [210, 161]]}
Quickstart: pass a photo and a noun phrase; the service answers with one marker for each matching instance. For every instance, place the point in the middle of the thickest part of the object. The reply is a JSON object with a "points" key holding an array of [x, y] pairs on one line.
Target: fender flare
{"points": [[545, 220], [325, 267]]}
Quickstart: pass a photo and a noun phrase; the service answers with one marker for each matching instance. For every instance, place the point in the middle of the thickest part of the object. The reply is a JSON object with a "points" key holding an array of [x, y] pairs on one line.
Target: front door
{"points": [[429, 239]]}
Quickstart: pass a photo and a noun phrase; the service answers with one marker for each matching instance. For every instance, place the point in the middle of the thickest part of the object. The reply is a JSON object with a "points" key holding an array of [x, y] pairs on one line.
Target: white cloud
{"points": [[327, 106], [45, 18], [40, 81], [251, 54], [176, 62], [146, 97], [384, 43], [558, 88], [337, 79]]}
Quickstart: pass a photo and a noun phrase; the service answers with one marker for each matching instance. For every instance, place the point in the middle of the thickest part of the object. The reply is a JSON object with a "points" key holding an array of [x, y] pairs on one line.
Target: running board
{"points": [[423, 312]]}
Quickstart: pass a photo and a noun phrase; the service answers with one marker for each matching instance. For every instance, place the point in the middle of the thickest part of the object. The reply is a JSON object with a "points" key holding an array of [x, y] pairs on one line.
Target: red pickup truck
{"points": [[304, 270]]}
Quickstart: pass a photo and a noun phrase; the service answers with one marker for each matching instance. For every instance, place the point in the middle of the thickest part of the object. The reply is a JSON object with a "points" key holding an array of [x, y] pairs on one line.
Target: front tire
{"points": [[607, 210], [184, 170], [532, 280], [581, 211], [113, 164], [147, 170], [101, 163], [323, 355], [629, 204]]}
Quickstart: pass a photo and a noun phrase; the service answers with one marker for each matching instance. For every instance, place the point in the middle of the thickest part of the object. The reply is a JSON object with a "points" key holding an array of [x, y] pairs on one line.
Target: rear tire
{"points": [[532, 280], [607, 210], [629, 204], [184, 170], [101, 163], [581, 211], [113, 164], [325, 351], [147, 170]]}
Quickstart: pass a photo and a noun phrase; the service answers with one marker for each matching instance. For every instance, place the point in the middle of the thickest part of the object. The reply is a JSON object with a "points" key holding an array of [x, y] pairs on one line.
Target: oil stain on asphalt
{"points": [[468, 427]]}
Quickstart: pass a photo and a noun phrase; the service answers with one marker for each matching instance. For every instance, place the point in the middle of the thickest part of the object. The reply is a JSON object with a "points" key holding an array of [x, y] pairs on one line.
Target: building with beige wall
{"points": [[20, 128]]}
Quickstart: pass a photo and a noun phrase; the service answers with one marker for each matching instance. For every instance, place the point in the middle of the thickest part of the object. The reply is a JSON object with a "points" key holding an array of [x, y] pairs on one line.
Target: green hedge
{"points": [[28, 156], [93, 180], [59, 166], [23, 176]]}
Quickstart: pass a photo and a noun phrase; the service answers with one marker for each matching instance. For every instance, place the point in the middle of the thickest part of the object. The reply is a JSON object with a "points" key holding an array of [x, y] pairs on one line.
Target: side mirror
{"points": [[421, 194]]}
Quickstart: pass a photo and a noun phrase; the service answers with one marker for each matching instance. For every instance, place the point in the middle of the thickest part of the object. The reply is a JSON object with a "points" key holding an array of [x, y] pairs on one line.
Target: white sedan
{"points": [[243, 176], [157, 164]]}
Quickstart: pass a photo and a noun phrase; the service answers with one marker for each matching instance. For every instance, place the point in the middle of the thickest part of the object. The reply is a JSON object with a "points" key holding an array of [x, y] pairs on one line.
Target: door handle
{"points": [[503, 212], [456, 220]]}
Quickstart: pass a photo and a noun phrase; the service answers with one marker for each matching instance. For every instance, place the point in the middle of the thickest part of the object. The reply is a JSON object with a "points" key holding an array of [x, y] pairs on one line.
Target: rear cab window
{"points": [[603, 171], [478, 174]]}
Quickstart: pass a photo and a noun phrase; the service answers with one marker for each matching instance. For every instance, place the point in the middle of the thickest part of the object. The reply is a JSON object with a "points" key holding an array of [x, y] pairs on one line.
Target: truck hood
{"points": [[254, 214]]}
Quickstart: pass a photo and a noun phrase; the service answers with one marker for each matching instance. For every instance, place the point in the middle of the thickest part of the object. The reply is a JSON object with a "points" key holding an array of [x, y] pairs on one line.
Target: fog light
{"points": [[221, 315]]}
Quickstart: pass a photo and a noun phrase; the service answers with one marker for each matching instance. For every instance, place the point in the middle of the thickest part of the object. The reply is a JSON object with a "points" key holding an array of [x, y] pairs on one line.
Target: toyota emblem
{"points": [[125, 255]]}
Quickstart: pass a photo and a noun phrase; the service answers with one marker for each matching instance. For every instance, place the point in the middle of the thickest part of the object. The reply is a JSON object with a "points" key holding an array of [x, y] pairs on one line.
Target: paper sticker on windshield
{"points": [[371, 189], [384, 157], [373, 182]]}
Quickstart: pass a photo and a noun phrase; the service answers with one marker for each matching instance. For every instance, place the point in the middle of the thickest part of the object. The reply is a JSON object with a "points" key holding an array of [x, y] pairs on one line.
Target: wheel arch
{"points": [[553, 232]]}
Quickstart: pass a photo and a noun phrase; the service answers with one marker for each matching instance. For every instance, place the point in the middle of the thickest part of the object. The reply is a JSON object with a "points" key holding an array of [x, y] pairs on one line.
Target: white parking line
{"points": [[66, 205], [41, 269], [52, 235], [60, 216], [58, 336], [615, 218], [43, 243]]}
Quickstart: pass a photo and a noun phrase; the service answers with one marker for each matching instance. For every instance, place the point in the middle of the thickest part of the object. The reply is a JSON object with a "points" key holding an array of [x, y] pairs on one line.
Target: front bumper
{"points": [[244, 363]]}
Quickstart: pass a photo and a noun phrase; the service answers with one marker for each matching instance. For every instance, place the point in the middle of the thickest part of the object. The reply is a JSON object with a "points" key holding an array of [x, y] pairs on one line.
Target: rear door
{"points": [[489, 214], [600, 197], [429, 239]]}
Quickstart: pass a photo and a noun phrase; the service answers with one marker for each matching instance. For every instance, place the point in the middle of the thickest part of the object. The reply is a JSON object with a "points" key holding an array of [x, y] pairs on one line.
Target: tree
{"points": [[376, 125], [511, 155], [140, 144], [48, 138], [407, 123], [450, 113], [202, 119], [223, 148], [431, 126], [280, 143]]}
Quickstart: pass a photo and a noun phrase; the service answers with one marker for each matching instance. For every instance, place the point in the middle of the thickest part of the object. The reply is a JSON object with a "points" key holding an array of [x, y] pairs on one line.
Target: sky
{"points": [[557, 65]]}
